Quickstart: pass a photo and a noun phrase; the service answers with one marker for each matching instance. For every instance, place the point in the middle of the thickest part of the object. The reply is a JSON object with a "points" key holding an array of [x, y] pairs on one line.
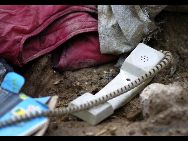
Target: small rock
{"points": [[57, 82], [157, 98], [89, 134], [144, 97]]}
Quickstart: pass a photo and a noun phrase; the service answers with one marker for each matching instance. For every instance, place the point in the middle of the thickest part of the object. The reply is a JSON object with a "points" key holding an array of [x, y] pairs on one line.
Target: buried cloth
{"points": [[122, 27], [70, 32]]}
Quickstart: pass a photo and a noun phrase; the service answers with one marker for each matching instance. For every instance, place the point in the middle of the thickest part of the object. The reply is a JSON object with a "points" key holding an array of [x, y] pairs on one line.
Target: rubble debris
{"points": [[165, 104]]}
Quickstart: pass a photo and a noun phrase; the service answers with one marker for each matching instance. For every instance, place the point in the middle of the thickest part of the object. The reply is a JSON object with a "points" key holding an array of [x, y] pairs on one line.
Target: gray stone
{"points": [[156, 98]]}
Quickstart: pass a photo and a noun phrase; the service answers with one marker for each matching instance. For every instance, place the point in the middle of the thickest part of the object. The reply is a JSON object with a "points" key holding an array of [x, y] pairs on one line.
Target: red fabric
{"points": [[81, 51], [30, 31]]}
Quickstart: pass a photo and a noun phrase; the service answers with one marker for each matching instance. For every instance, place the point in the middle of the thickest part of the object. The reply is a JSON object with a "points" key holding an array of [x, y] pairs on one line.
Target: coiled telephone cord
{"points": [[90, 104]]}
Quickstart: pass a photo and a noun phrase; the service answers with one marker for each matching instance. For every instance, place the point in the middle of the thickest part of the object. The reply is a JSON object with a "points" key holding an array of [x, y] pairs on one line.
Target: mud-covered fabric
{"points": [[30, 31]]}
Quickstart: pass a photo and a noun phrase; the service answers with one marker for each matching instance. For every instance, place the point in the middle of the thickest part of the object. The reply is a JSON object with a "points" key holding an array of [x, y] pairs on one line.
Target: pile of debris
{"points": [[81, 36]]}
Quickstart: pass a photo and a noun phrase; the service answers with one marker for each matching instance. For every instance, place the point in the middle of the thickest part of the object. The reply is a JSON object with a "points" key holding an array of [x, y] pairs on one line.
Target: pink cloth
{"points": [[81, 51], [30, 31]]}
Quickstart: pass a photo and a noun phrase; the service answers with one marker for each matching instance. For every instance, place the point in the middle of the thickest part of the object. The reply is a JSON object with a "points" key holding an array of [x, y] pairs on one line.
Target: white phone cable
{"points": [[90, 104]]}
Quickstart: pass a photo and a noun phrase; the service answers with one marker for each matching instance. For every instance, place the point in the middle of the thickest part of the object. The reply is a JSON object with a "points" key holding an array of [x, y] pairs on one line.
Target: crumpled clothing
{"points": [[30, 31], [122, 27], [80, 51]]}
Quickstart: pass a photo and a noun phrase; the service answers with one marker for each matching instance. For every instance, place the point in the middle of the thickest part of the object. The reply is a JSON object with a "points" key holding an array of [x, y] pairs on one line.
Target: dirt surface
{"points": [[43, 80]]}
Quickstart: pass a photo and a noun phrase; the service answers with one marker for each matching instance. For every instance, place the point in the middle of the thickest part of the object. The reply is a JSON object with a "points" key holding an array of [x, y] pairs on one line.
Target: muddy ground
{"points": [[43, 80]]}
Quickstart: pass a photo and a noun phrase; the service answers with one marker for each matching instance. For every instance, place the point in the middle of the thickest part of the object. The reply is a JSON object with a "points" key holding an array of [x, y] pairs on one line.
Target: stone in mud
{"points": [[164, 103]]}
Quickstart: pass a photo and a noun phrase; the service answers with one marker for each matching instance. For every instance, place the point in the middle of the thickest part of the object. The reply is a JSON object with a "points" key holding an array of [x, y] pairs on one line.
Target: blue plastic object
{"points": [[13, 82], [13, 103]]}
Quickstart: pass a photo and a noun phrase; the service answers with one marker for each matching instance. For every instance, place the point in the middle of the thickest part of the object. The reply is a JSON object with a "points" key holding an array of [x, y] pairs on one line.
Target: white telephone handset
{"points": [[141, 60], [135, 73]]}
